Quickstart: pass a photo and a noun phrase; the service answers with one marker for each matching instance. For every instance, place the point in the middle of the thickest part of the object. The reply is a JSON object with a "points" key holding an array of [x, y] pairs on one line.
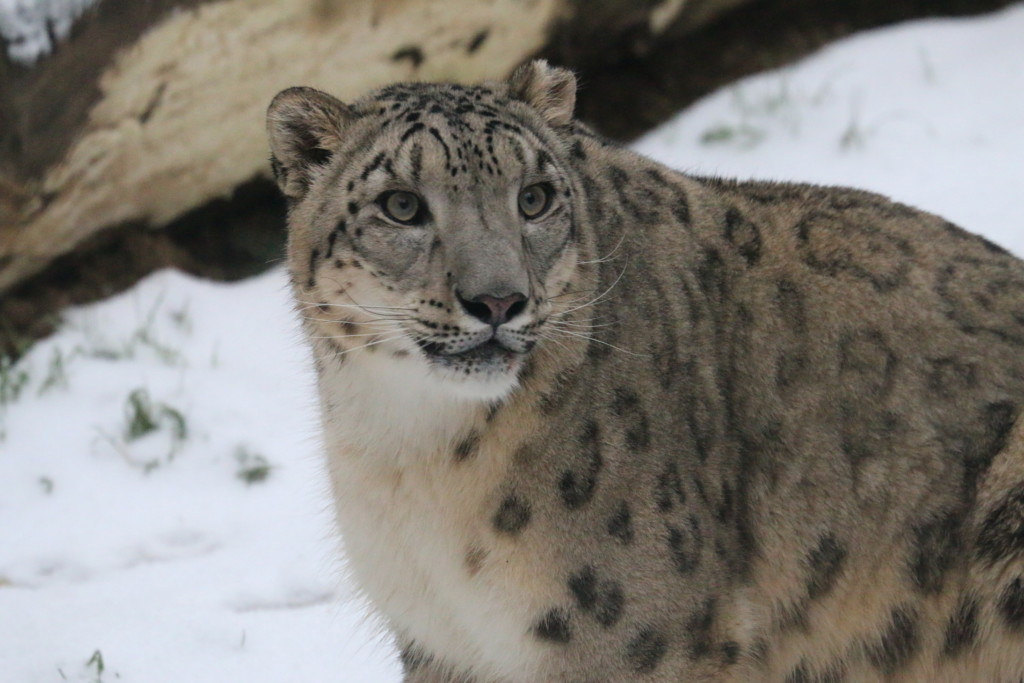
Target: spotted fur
{"points": [[668, 428]]}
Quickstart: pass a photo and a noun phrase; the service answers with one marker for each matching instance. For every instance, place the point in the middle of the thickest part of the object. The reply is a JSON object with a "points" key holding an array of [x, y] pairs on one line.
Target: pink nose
{"points": [[494, 310]]}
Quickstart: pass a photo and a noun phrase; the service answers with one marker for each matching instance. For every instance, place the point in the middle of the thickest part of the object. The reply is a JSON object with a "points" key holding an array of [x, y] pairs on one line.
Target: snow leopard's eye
{"points": [[535, 199], [403, 207]]}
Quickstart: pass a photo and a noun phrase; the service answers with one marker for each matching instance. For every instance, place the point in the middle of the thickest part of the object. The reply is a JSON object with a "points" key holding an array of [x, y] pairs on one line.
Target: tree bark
{"points": [[152, 109]]}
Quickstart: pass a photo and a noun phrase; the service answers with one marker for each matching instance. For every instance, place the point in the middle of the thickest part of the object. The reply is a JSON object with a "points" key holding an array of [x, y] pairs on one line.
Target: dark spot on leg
{"points": [[646, 650], [962, 629], [583, 586], [513, 514], [554, 627], [620, 524], [603, 598], [1011, 604], [826, 563], [730, 652], [897, 645], [1002, 533]]}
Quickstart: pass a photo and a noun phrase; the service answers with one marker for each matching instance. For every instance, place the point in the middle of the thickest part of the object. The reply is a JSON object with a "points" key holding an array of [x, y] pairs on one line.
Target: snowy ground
{"points": [[162, 512], [32, 27]]}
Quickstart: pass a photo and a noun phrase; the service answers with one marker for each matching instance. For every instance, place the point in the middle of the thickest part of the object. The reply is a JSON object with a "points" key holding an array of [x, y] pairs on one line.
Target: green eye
{"points": [[403, 207], [535, 199]]}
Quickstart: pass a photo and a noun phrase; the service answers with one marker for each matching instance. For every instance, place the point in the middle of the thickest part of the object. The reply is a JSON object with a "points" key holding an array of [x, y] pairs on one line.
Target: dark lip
{"points": [[486, 350]]}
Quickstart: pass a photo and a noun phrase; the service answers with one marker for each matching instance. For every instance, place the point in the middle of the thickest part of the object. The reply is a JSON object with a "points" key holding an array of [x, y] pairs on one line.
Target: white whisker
{"points": [[348, 336], [369, 344], [387, 324], [585, 324], [595, 339], [599, 297], [609, 255], [310, 304]]}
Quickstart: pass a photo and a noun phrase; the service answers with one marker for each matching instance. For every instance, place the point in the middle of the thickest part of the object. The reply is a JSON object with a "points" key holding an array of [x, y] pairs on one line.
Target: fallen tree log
{"points": [[152, 109]]}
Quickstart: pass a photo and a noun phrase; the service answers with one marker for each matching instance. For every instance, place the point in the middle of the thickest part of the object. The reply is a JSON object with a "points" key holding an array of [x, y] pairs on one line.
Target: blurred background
{"points": [[163, 511]]}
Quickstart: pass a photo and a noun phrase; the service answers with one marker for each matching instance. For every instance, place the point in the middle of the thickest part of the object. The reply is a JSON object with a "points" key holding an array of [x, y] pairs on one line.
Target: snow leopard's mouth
{"points": [[487, 357]]}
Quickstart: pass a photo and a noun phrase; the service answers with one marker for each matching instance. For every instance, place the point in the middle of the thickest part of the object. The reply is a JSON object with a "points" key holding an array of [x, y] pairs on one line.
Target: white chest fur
{"points": [[416, 522]]}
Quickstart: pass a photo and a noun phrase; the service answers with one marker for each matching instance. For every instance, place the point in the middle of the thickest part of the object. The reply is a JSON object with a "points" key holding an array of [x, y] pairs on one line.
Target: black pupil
{"points": [[403, 205], [533, 200]]}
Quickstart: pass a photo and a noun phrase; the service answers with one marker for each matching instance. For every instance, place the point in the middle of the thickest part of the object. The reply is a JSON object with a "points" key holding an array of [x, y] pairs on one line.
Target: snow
{"points": [[929, 113], [155, 555], [31, 28], [153, 550]]}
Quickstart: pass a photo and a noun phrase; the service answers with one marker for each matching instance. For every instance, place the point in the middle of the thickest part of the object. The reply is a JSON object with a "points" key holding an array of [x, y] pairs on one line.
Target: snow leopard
{"points": [[588, 418]]}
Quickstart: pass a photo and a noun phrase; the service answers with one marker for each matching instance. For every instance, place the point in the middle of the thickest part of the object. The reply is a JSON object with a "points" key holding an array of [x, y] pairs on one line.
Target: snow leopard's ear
{"points": [[305, 128], [551, 90]]}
